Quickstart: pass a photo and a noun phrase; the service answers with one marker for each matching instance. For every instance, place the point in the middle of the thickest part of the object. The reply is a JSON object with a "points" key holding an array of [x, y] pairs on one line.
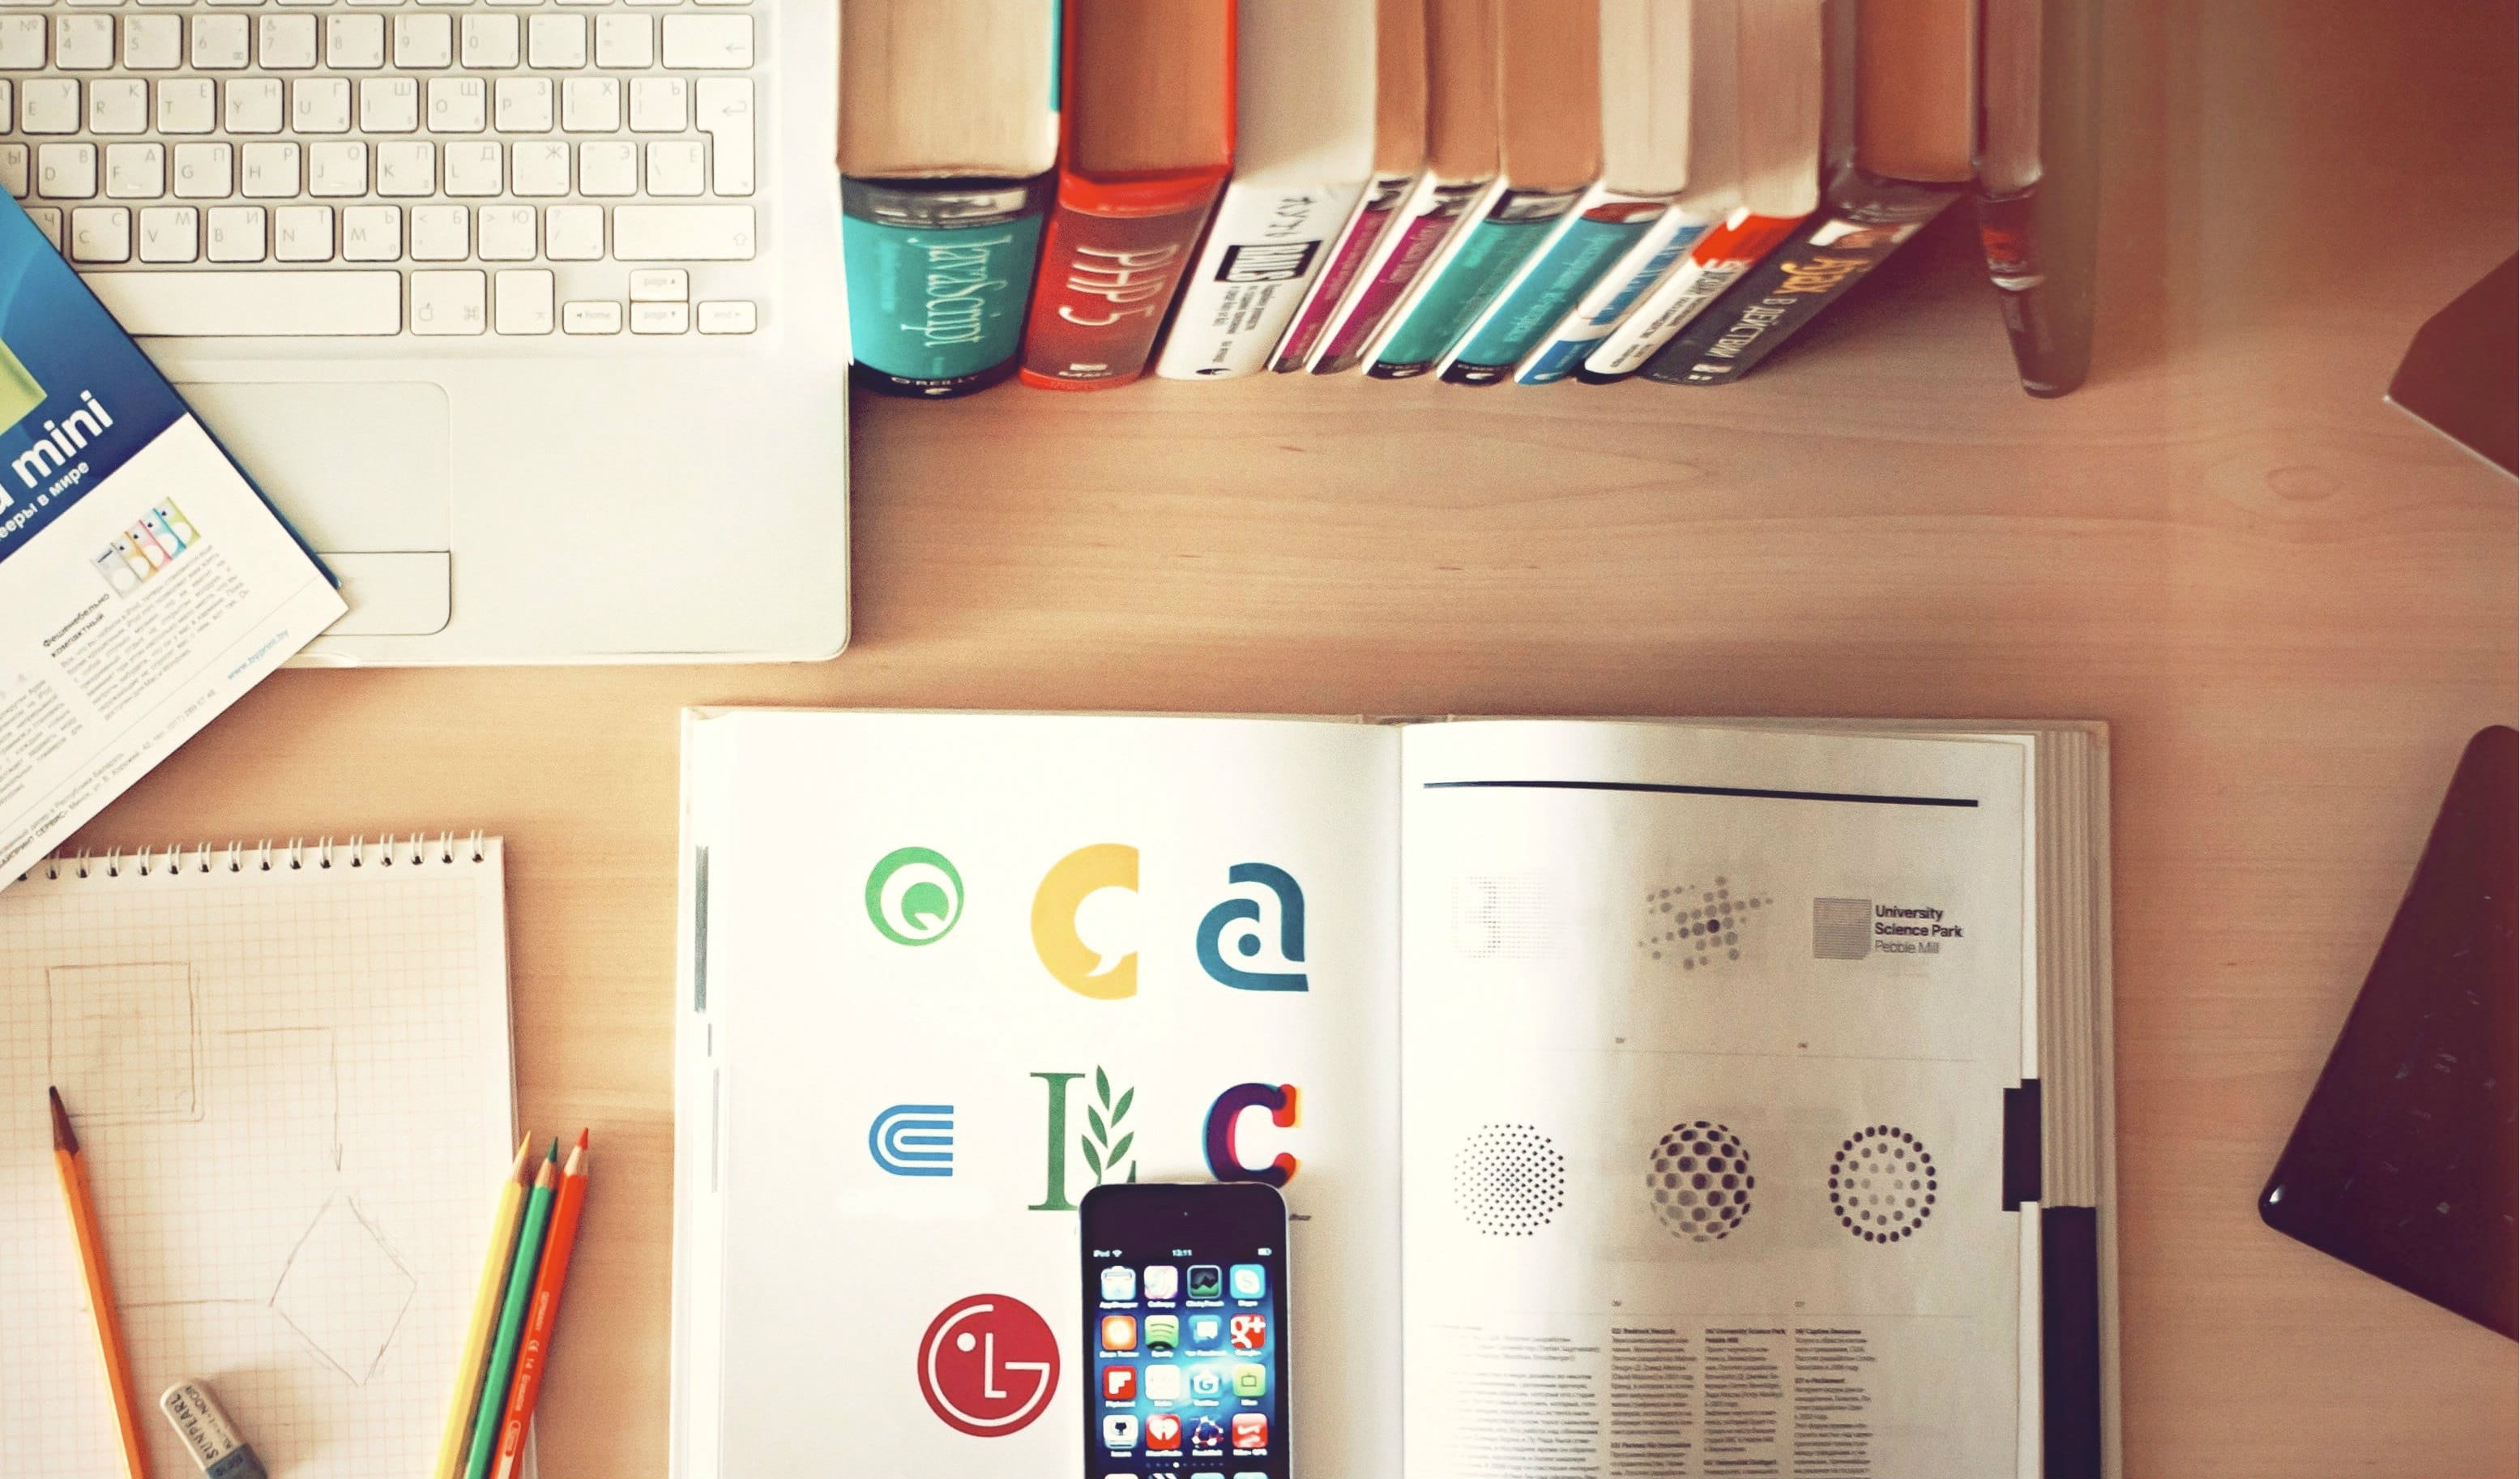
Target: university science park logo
{"points": [[988, 1366]]}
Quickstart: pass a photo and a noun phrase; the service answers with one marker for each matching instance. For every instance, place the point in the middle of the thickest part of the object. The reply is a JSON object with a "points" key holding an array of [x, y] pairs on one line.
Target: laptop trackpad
{"points": [[360, 467]]}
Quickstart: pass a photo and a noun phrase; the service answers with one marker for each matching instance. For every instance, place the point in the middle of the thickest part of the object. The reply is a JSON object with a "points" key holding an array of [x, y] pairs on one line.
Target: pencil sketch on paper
{"points": [[126, 1035], [344, 1289]]}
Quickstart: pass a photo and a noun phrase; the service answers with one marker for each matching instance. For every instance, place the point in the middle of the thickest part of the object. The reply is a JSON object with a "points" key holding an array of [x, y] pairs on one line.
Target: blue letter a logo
{"points": [[1244, 917]]}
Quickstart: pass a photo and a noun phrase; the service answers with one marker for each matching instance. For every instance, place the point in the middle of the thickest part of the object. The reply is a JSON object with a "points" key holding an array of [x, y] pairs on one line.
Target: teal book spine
{"points": [[1493, 252], [1590, 243], [940, 275]]}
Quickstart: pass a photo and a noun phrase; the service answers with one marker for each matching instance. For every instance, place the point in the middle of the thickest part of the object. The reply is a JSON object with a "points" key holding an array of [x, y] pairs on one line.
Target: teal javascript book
{"points": [[940, 275]]}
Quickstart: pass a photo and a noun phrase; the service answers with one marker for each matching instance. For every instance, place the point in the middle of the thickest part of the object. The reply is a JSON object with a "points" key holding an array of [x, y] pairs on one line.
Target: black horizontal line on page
{"points": [[1855, 797]]}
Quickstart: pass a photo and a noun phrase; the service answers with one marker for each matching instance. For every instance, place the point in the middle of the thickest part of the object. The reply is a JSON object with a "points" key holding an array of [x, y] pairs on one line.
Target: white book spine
{"points": [[1265, 247], [1660, 252], [1694, 283], [1459, 230]]}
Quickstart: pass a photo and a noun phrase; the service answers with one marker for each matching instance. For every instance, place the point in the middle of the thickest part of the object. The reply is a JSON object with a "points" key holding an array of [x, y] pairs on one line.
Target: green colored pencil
{"points": [[511, 1319]]}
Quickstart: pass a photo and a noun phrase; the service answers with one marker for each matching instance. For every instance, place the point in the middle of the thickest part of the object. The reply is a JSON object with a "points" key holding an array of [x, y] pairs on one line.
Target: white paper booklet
{"points": [[289, 1070], [143, 584], [1649, 1098]]}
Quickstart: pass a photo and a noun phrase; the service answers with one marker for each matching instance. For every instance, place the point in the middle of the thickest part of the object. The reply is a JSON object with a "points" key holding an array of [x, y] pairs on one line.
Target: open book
{"points": [[1650, 1098]]}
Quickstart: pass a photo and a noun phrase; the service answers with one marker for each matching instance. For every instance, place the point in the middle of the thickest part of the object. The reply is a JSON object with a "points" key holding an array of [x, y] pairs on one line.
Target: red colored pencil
{"points": [[533, 1354]]}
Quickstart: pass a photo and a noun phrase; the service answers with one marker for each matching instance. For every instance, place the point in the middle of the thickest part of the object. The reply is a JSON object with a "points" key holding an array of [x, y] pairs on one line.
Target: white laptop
{"points": [[528, 313]]}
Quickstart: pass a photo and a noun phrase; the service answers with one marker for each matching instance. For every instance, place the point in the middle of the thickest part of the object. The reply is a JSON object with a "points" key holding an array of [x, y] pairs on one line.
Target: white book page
{"points": [[1636, 955], [292, 1092], [1053, 975]]}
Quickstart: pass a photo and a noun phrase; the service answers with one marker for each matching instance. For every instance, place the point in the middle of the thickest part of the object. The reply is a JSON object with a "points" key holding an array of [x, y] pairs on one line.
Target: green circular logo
{"points": [[914, 896]]}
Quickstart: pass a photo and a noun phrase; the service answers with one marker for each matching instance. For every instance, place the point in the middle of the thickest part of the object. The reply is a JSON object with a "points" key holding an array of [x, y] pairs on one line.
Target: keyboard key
{"points": [[170, 234], [661, 285], [66, 171], [319, 105], [48, 220], [13, 164], [288, 43], [659, 105], [608, 169], [153, 43], [389, 105], [423, 41], [99, 234], [83, 43], [336, 168], [473, 169], [371, 233], [539, 168], [301, 233], [627, 41], [354, 43], [219, 43], [591, 105], [21, 43], [117, 106], [236, 234], [682, 232], [594, 317], [458, 105], [449, 302], [675, 167], [727, 316], [726, 116], [440, 233], [556, 43], [523, 105], [489, 41], [204, 171], [707, 41], [507, 233], [270, 171], [406, 169], [661, 318], [254, 106], [525, 302], [186, 106], [254, 303], [51, 106], [573, 233], [135, 171]]}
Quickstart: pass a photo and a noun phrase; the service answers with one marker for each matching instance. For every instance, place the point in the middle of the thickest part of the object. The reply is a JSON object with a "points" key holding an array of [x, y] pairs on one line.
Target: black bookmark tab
{"points": [[2021, 1153], [2069, 1337]]}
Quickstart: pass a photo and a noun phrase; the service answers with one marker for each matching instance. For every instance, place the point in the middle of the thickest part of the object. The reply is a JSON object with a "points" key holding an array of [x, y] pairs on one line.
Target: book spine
{"points": [[1110, 270], [1374, 213], [1600, 310], [1596, 235], [1431, 219], [1265, 249], [2008, 231], [1868, 221], [1491, 251], [1717, 261], [939, 272]]}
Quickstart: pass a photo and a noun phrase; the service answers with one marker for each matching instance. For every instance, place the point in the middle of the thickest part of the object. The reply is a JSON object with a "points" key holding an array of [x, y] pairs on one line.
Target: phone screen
{"points": [[1185, 1321]]}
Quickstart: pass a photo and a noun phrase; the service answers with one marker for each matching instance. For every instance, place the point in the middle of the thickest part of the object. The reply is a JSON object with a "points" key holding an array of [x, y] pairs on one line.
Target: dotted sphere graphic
{"points": [[1882, 1183], [1510, 1181], [1700, 1181]]}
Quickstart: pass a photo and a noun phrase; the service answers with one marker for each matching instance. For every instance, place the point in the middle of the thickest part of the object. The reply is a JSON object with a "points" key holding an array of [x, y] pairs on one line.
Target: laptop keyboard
{"points": [[500, 171]]}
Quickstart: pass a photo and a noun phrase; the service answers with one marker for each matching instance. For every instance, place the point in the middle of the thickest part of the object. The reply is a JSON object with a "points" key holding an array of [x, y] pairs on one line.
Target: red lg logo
{"points": [[988, 1365]]}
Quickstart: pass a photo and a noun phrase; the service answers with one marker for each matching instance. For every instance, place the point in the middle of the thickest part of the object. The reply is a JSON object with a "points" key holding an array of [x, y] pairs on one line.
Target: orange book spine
{"points": [[1112, 258]]}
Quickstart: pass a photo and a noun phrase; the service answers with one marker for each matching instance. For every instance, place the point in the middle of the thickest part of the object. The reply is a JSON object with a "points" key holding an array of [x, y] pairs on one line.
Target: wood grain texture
{"points": [[2293, 604]]}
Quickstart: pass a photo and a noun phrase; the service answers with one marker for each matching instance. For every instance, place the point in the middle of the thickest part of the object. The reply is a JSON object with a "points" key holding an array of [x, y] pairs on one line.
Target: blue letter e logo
{"points": [[914, 1140], [1242, 916]]}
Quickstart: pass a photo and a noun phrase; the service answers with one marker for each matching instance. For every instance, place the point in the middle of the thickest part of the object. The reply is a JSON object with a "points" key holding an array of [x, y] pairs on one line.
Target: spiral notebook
{"points": [[289, 1066]]}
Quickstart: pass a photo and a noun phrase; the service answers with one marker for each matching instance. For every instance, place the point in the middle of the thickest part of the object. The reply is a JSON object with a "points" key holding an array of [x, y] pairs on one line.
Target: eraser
{"points": [[209, 1436]]}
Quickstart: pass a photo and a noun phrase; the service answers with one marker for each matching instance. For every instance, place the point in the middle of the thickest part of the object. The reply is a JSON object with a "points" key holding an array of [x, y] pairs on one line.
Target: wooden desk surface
{"points": [[2293, 605]]}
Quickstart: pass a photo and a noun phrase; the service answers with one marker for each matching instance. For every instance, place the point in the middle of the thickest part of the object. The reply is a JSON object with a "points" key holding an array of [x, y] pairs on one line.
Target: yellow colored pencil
{"points": [[466, 1400]]}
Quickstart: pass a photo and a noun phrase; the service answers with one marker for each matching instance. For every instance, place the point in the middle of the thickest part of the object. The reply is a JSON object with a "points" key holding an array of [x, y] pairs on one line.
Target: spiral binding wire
{"points": [[417, 850]]}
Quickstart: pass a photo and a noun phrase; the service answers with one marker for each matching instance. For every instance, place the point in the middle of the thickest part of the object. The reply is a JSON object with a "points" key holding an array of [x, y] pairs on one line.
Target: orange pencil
{"points": [[100, 1288], [533, 1354]]}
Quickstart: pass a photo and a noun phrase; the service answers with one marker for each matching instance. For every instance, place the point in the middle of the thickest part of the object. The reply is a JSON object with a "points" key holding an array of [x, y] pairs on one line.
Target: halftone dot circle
{"points": [[1700, 1181], [1509, 1180], [1881, 1183]]}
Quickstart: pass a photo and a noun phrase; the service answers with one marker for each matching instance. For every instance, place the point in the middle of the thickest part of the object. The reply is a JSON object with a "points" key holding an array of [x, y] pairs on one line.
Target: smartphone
{"points": [[1186, 1326]]}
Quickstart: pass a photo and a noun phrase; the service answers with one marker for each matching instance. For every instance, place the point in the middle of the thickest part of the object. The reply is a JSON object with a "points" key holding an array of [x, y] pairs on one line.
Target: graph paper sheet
{"points": [[293, 1090]]}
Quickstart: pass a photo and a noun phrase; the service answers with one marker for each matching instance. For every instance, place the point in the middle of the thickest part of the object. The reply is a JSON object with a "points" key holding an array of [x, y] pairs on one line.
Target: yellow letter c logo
{"points": [[1077, 966]]}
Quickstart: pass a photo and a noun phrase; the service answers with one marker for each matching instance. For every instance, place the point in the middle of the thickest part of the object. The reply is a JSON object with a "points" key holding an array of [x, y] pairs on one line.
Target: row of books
{"points": [[1481, 190]]}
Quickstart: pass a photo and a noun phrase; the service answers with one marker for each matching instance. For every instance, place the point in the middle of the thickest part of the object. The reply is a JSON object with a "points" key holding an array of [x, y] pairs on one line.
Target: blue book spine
{"points": [[1612, 299]]}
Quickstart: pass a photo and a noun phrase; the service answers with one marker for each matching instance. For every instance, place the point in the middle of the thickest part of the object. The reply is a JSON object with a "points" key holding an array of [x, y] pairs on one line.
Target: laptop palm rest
{"points": [[364, 473]]}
